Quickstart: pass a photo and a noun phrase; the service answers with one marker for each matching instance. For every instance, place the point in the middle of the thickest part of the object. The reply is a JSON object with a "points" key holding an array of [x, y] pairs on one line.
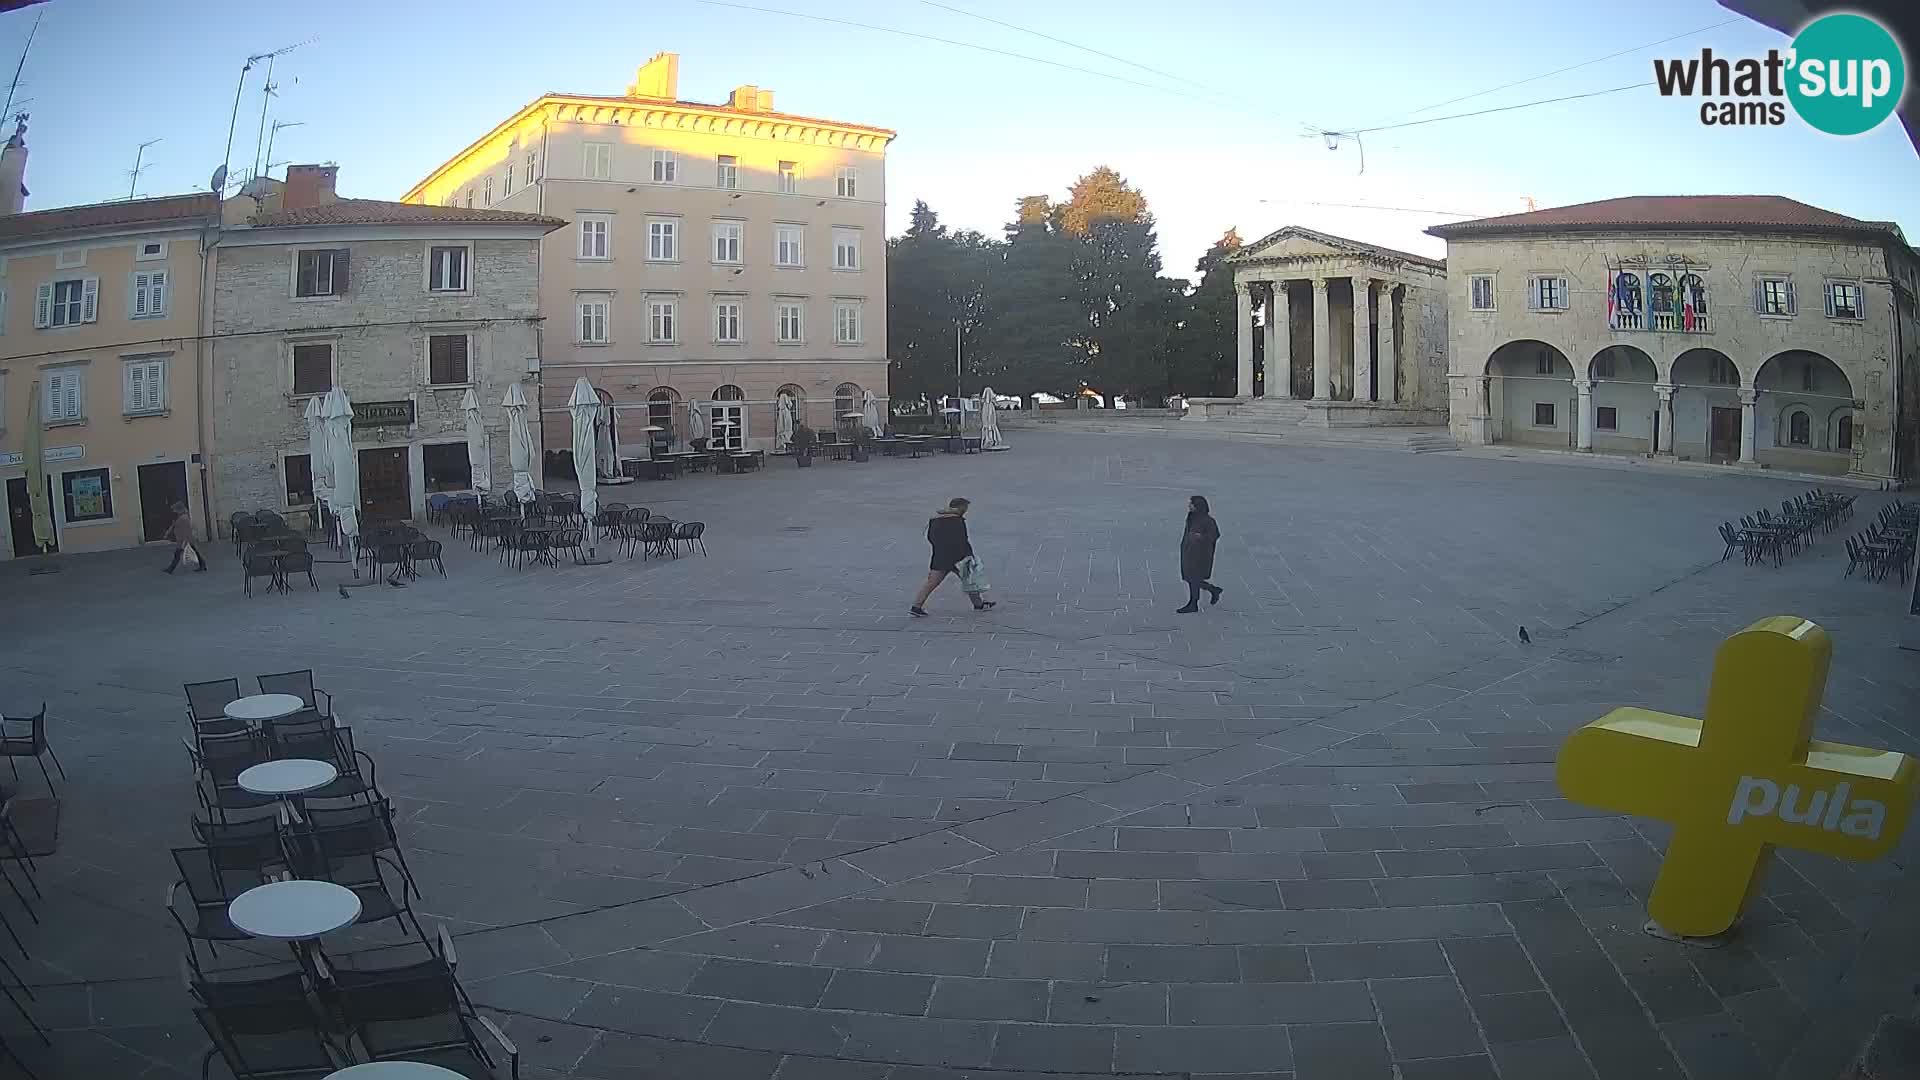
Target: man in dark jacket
{"points": [[1197, 542], [947, 533]]}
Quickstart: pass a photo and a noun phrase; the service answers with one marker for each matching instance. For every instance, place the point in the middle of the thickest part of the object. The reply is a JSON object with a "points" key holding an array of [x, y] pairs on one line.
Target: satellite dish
{"points": [[219, 182]]}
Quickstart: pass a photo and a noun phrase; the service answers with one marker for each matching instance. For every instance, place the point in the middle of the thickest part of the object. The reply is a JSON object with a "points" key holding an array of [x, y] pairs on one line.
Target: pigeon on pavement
{"points": [[1523, 636]]}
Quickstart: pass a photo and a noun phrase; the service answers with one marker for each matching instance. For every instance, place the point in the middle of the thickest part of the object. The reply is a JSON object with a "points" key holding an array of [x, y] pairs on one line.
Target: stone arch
{"points": [[1623, 363], [1794, 427], [1530, 394], [729, 392], [660, 403], [798, 395], [1625, 408], [1801, 397], [1706, 367], [1843, 426]]}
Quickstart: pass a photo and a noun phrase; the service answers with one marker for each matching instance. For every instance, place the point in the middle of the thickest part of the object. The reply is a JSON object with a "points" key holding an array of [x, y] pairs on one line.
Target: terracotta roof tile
{"points": [[1639, 212], [382, 212], [170, 210]]}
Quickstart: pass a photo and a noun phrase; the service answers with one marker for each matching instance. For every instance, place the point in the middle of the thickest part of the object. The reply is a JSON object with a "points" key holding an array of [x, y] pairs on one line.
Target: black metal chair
{"points": [[425, 551], [271, 1039], [207, 706], [246, 845], [298, 562], [333, 745], [220, 760], [359, 829], [33, 744], [258, 566], [419, 1012], [299, 684], [211, 886], [336, 856], [16, 846], [689, 533]]}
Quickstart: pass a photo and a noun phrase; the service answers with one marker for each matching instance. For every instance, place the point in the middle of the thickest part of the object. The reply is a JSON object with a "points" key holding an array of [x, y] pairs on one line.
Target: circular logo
{"points": [[1847, 74]]}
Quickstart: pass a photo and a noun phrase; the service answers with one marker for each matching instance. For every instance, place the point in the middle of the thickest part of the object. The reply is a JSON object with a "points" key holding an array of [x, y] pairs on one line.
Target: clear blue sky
{"points": [[390, 89]]}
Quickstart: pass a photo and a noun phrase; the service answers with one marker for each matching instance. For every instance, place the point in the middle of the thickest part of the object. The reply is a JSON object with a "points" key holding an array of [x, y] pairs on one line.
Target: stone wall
{"points": [[379, 331]]}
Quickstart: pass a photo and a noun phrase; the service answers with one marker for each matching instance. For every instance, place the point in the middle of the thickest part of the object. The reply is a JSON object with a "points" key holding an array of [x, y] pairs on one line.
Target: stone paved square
{"points": [[741, 816]]}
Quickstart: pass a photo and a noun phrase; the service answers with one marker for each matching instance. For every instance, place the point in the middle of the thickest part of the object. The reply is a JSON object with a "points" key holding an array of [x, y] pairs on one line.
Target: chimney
{"points": [[13, 169], [657, 78], [309, 185], [750, 98]]}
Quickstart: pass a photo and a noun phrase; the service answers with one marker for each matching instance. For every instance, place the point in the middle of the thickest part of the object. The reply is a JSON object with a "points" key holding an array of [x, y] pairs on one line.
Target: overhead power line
{"points": [[1071, 45], [1485, 112], [1570, 67]]}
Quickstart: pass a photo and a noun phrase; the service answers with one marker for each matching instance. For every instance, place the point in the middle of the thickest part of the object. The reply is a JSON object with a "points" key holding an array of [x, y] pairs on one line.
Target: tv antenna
{"points": [[133, 174], [14, 87], [220, 175], [273, 131]]}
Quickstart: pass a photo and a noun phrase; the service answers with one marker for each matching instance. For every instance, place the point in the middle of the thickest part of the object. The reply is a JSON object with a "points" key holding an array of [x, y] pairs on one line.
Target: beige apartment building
{"points": [[716, 257], [100, 323], [1742, 329]]}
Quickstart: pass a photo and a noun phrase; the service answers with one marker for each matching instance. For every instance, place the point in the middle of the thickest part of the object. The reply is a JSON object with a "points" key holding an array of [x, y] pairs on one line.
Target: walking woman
{"points": [[1196, 553], [947, 533], [181, 533]]}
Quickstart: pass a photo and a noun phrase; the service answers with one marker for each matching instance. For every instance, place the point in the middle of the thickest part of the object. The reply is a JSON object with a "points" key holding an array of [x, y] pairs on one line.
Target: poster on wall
{"points": [[87, 495]]}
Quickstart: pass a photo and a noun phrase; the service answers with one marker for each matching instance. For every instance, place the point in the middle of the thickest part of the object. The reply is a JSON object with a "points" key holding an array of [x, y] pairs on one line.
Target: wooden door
{"points": [[386, 489], [20, 517], [1723, 433], [161, 486]]}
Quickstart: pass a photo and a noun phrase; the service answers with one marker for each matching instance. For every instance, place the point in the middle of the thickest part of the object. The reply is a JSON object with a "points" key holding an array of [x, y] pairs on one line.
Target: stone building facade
{"points": [[407, 307], [1749, 330], [1348, 333], [718, 257]]}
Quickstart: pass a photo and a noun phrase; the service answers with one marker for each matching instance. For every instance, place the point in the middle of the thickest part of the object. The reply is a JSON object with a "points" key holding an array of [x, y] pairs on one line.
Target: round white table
{"points": [[261, 707], [395, 1070], [294, 910], [287, 777]]}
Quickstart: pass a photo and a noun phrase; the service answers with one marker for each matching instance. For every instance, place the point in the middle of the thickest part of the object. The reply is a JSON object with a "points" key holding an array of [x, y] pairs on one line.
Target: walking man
{"points": [[181, 532], [1197, 542], [947, 534]]}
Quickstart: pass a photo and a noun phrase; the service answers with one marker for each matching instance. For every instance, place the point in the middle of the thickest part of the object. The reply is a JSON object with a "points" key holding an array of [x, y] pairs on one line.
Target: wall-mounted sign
{"points": [[51, 453], [382, 413]]}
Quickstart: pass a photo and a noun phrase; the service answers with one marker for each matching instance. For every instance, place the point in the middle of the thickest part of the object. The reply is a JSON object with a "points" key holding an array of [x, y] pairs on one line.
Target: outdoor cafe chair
{"points": [[259, 566], [690, 533], [419, 1012], [656, 538], [426, 551], [333, 745], [243, 845], [210, 886], [325, 855], [299, 684], [220, 759], [207, 706], [569, 540], [361, 828], [274, 1038], [394, 554], [16, 845], [32, 744]]}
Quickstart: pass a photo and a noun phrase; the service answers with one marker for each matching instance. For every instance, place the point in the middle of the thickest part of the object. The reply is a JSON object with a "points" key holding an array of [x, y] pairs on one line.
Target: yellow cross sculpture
{"points": [[1745, 779]]}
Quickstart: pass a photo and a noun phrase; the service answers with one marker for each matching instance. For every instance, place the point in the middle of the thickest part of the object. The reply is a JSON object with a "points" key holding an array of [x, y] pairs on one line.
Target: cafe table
{"points": [[297, 912], [263, 707], [395, 1070]]}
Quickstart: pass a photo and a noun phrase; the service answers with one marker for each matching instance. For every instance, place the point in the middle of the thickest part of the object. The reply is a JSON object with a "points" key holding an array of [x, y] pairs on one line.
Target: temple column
{"points": [[1322, 343], [1243, 319], [1667, 441], [1583, 422], [1748, 398], [1279, 342], [1362, 339], [1388, 362]]}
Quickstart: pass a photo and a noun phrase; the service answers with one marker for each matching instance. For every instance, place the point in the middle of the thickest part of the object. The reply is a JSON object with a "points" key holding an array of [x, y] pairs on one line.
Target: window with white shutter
{"points": [[593, 312], [666, 167], [146, 386], [846, 181], [599, 161], [68, 302], [1480, 292], [149, 295], [447, 268], [66, 396]]}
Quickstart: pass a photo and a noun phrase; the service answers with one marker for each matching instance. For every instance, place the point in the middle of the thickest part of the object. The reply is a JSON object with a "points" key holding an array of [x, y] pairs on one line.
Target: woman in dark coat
{"points": [[947, 534], [1196, 553]]}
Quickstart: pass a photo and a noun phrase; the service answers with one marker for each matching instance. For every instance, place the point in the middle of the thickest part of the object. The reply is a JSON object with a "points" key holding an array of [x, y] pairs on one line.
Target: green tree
{"points": [[1130, 308], [935, 284], [1202, 354], [1035, 329]]}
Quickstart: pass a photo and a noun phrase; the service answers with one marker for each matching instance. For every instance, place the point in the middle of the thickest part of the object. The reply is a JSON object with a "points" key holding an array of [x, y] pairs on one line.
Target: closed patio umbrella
{"points": [[990, 438], [479, 461], [319, 458], [585, 406], [870, 410], [783, 425], [36, 460], [696, 422], [520, 449], [338, 414]]}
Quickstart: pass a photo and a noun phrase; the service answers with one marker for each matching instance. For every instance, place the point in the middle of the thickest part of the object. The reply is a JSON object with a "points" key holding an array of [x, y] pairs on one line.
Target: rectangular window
{"points": [[846, 181], [787, 323], [726, 321], [660, 321], [88, 495], [447, 466], [846, 249], [149, 295], [726, 241], [727, 173], [787, 246], [150, 250], [506, 188], [599, 161], [312, 368], [146, 387], [1480, 292], [663, 241], [1773, 296], [666, 167], [66, 396], [846, 322], [298, 471], [789, 177], [1843, 300], [486, 192], [1547, 293], [67, 303], [1543, 414], [533, 163], [593, 319], [447, 269], [447, 360], [1606, 418], [469, 196], [321, 272], [593, 237]]}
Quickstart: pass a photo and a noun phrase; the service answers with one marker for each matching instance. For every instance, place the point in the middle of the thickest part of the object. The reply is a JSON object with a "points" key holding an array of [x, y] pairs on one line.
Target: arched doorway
{"points": [[846, 399], [1626, 413], [1803, 412], [660, 401], [1530, 396], [1707, 420], [728, 427]]}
